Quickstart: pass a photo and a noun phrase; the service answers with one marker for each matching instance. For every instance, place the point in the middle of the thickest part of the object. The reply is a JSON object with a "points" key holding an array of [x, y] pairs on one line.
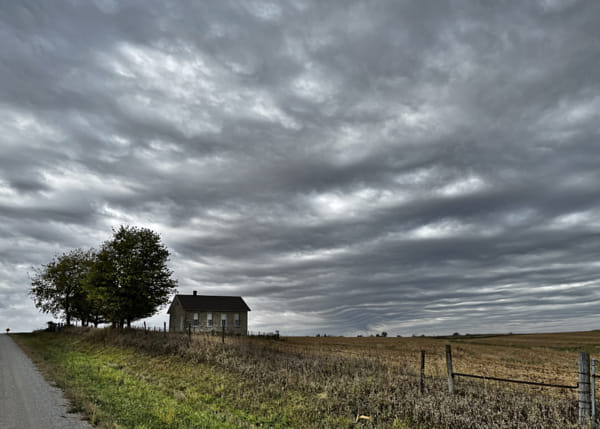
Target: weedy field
{"points": [[138, 379]]}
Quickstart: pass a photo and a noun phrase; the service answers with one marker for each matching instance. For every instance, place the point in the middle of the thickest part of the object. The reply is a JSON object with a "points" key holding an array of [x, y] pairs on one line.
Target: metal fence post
{"points": [[593, 390], [449, 366], [584, 388], [422, 379]]}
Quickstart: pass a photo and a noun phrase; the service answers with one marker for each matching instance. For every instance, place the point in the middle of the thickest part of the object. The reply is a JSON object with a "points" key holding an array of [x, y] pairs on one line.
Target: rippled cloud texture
{"points": [[347, 167]]}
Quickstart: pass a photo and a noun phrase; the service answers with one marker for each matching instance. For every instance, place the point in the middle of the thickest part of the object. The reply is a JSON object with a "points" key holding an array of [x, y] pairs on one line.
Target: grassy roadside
{"points": [[133, 380], [116, 387], [137, 379]]}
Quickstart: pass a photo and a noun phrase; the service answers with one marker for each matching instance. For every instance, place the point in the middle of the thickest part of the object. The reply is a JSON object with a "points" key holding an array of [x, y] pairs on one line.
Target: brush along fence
{"points": [[586, 384]]}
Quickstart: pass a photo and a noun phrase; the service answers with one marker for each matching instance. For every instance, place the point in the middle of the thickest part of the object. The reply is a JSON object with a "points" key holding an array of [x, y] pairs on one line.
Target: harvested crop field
{"points": [[309, 382]]}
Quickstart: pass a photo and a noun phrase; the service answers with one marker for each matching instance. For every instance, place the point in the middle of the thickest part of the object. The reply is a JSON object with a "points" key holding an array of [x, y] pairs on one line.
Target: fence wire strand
{"points": [[531, 383]]}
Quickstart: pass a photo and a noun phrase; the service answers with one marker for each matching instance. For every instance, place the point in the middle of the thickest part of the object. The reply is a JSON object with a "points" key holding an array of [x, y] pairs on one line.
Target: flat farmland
{"points": [[546, 358], [134, 378]]}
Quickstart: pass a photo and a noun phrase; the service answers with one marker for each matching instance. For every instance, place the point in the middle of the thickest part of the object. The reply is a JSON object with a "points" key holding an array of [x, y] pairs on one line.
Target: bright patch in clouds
{"points": [[355, 204], [440, 230], [468, 185]]}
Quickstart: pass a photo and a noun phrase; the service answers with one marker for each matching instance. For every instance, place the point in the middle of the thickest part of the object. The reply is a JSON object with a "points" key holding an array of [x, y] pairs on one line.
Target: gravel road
{"points": [[27, 401]]}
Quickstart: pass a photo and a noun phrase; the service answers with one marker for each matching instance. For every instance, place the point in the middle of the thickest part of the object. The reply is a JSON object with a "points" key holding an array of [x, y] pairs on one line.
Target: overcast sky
{"points": [[348, 167]]}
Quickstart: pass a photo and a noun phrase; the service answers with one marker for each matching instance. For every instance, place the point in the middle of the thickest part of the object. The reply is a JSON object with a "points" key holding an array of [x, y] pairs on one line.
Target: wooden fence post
{"points": [[584, 388], [593, 390], [190, 331], [422, 379], [165, 327], [449, 366]]}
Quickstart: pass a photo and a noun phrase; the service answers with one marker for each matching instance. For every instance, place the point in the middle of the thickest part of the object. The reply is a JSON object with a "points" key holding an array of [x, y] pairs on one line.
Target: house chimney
{"points": [[195, 293]]}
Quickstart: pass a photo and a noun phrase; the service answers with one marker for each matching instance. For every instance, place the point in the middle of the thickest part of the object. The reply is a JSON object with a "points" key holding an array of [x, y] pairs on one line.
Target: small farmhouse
{"points": [[205, 313]]}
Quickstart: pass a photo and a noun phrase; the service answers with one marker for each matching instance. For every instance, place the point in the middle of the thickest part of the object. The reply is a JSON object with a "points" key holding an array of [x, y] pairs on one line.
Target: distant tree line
{"points": [[125, 280]]}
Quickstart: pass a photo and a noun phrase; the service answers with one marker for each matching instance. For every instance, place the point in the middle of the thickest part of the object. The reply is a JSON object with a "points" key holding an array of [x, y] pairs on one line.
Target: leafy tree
{"points": [[57, 287], [130, 279], [87, 307]]}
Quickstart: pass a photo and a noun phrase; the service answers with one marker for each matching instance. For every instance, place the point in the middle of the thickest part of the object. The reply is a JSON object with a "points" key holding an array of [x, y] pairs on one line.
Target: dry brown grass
{"points": [[329, 381], [547, 358]]}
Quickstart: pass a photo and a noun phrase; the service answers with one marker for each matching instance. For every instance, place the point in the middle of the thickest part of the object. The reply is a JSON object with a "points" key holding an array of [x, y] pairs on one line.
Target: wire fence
{"points": [[507, 380], [585, 386]]}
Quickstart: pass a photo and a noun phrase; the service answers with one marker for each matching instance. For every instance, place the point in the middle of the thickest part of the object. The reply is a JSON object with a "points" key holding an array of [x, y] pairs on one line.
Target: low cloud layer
{"points": [[346, 167]]}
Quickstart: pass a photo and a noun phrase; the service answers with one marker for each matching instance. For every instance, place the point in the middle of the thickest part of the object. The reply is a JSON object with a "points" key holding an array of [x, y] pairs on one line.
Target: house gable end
{"points": [[176, 302]]}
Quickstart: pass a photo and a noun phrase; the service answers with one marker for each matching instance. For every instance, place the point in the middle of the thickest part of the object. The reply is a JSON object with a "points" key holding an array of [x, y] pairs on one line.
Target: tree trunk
{"points": [[67, 310]]}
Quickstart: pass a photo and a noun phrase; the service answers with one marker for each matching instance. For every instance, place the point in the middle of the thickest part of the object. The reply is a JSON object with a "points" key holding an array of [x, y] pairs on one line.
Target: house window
{"points": [[223, 320], [209, 319], [236, 320], [195, 319]]}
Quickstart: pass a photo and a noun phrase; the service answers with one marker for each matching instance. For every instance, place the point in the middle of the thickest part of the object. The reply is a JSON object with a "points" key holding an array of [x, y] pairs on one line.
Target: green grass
{"points": [[124, 380], [120, 388]]}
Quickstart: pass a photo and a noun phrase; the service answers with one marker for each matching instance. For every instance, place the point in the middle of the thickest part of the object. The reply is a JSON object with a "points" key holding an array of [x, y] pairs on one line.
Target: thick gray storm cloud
{"points": [[347, 167]]}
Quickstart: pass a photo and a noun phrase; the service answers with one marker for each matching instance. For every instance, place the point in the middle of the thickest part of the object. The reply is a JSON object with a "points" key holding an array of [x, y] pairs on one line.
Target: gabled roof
{"points": [[212, 303]]}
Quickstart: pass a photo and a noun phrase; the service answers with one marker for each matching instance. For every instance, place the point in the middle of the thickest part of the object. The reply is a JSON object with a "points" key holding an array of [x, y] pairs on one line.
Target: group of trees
{"points": [[125, 280]]}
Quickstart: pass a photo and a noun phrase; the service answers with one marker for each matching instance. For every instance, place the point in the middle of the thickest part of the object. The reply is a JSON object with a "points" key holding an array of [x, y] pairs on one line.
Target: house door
{"points": [[181, 323]]}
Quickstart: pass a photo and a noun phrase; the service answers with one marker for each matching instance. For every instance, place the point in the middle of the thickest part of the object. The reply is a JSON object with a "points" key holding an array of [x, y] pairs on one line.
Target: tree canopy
{"points": [[58, 287], [130, 278], [126, 280]]}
